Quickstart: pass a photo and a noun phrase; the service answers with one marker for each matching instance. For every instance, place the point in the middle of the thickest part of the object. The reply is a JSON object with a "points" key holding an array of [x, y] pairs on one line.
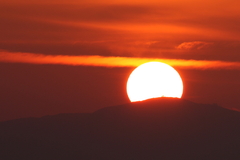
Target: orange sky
{"points": [[122, 28], [200, 38]]}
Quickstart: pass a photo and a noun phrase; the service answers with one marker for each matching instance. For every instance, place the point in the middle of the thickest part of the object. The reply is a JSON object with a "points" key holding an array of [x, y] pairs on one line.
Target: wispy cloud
{"points": [[111, 61], [194, 45]]}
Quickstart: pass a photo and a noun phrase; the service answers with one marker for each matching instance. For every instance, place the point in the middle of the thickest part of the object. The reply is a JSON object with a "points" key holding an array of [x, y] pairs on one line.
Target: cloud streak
{"points": [[193, 45], [111, 61]]}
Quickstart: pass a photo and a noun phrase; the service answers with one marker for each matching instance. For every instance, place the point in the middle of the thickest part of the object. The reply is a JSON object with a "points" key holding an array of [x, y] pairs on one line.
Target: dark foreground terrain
{"points": [[157, 129]]}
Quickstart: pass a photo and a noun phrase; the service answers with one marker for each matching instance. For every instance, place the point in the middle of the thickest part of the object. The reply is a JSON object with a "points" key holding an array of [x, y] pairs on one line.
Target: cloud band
{"points": [[111, 61]]}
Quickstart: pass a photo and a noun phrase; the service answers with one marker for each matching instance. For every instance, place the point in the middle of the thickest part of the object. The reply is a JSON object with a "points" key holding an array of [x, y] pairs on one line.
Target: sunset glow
{"points": [[75, 56]]}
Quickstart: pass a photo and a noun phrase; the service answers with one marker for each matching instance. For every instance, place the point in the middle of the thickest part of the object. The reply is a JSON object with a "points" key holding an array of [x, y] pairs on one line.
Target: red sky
{"points": [[47, 51]]}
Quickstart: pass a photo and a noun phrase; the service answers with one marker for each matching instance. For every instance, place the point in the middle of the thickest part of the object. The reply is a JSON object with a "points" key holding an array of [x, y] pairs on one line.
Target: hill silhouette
{"points": [[161, 128]]}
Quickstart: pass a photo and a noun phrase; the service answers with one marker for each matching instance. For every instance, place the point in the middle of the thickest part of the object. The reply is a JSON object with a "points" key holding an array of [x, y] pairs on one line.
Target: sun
{"points": [[152, 80]]}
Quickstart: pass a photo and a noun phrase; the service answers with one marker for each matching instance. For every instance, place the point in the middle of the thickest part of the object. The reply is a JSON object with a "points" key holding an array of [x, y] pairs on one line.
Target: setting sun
{"points": [[152, 80]]}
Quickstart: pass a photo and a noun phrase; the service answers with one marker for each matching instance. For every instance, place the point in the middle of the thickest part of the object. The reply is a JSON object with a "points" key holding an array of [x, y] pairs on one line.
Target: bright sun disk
{"points": [[152, 80]]}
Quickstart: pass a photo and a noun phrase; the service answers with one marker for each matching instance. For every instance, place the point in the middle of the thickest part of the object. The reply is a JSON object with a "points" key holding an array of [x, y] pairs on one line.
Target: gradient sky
{"points": [[75, 56]]}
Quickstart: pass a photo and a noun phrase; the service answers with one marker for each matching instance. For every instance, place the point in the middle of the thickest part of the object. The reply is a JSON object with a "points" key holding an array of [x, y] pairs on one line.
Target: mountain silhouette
{"points": [[161, 128]]}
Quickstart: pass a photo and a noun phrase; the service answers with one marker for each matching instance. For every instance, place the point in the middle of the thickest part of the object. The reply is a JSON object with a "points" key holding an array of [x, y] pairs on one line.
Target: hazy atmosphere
{"points": [[70, 56]]}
